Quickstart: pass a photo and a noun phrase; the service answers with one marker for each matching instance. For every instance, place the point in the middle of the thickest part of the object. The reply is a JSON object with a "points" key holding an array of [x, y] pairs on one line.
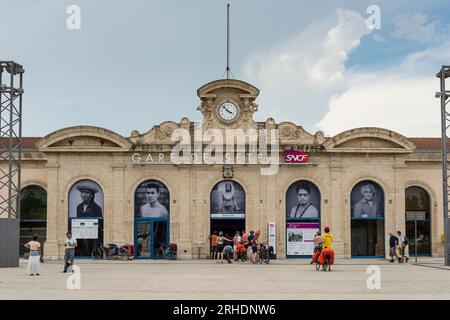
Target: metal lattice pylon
{"points": [[445, 126], [11, 91]]}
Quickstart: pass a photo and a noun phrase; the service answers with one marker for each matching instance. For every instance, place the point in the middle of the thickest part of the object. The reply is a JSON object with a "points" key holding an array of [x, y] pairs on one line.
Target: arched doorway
{"points": [[152, 217], [367, 220], [86, 216], [302, 218], [418, 207], [227, 211], [33, 215]]}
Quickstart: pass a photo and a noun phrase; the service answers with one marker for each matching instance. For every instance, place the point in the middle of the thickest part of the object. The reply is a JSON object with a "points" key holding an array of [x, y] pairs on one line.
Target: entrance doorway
{"points": [[150, 236], [418, 219], [228, 226], [367, 238], [367, 220], [33, 216], [152, 219]]}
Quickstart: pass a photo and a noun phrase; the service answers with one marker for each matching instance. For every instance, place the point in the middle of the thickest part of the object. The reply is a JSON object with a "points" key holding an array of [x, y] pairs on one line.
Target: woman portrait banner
{"points": [[303, 201], [367, 201], [152, 200], [228, 200]]}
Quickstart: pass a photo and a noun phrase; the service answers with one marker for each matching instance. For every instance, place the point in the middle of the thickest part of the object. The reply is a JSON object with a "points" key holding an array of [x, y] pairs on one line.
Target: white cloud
{"points": [[414, 26], [399, 98], [378, 38], [298, 78]]}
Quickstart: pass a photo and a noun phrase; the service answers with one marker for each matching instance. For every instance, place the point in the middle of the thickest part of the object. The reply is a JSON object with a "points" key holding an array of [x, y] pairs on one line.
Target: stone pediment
{"points": [[83, 138], [369, 140], [290, 133]]}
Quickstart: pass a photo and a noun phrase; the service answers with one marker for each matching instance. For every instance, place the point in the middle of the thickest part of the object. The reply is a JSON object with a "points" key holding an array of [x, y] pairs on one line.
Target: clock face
{"points": [[228, 111]]}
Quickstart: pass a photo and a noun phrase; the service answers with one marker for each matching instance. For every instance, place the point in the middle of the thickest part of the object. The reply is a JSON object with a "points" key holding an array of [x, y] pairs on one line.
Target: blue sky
{"points": [[135, 64]]}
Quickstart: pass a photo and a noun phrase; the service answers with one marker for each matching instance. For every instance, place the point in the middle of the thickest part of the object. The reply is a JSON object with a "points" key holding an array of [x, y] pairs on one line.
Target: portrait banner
{"points": [[152, 200], [367, 201], [86, 200], [303, 201], [228, 201]]}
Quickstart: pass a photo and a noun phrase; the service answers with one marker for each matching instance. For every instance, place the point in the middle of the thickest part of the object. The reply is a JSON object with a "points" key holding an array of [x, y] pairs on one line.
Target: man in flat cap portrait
{"points": [[88, 208]]}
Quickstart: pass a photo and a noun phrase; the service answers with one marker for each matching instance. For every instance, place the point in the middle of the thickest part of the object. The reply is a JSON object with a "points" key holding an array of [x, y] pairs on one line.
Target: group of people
{"points": [[237, 248], [399, 242], [34, 261], [323, 248]]}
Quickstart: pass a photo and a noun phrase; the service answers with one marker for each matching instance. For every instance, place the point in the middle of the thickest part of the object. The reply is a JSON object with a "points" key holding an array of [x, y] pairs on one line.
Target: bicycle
{"points": [[112, 252], [326, 263], [264, 254], [167, 252]]}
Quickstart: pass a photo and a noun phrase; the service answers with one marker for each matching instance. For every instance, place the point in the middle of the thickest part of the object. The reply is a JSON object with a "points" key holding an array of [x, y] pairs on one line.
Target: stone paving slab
{"points": [[198, 280]]}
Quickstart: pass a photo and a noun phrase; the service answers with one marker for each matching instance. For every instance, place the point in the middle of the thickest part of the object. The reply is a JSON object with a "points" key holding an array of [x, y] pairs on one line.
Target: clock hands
{"points": [[228, 110]]}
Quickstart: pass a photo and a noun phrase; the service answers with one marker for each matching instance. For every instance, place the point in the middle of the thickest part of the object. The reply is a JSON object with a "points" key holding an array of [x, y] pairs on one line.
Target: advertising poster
{"points": [[85, 228], [300, 238], [272, 236]]}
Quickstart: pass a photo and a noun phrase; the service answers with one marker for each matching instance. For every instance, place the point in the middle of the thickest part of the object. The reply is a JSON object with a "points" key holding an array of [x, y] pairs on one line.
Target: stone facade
{"points": [[337, 164]]}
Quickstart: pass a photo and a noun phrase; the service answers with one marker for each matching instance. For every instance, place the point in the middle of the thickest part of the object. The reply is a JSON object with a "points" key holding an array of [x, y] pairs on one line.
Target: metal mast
{"points": [[445, 125], [11, 91]]}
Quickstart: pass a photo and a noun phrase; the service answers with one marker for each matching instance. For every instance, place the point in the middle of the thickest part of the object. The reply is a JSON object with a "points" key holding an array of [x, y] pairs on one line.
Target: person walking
{"points": [[236, 240], [69, 252], [213, 239], [393, 244], [34, 260], [221, 245], [402, 244], [254, 244]]}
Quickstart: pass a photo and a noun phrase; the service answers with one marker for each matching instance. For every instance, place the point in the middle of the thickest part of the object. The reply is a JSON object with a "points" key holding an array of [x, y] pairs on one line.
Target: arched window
{"points": [[152, 216], [418, 220], [302, 218], [367, 225], [33, 215], [227, 208], [86, 211]]}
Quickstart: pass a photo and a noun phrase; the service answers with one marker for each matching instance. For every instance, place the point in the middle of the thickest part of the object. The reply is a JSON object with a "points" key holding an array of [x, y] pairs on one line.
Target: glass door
{"points": [[150, 237]]}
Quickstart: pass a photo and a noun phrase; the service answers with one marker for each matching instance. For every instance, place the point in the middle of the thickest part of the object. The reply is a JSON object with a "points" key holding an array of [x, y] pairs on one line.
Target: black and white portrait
{"points": [[367, 200], [228, 199], [85, 200], [152, 200], [303, 201]]}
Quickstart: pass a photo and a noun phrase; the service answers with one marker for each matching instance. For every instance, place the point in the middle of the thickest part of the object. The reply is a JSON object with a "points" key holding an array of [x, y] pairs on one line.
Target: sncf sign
{"points": [[293, 156]]}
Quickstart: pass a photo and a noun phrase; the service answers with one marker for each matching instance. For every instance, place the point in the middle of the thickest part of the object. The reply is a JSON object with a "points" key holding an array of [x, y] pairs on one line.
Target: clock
{"points": [[228, 111]]}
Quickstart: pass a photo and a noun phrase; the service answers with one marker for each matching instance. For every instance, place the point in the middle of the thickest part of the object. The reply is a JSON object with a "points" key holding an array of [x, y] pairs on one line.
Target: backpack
{"points": [[406, 241]]}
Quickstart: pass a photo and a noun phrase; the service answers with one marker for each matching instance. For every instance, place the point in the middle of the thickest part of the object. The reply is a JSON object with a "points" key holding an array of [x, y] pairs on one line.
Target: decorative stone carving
{"points": [[319, 138], [228, 172], [135, 138]]}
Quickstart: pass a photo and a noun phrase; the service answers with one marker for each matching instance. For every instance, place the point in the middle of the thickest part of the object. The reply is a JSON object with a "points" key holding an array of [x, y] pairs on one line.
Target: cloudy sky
{"points": [[134, 64]]}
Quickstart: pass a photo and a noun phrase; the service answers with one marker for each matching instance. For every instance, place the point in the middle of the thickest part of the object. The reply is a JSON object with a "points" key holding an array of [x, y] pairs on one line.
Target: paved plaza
{"points": [[198, 280]]}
